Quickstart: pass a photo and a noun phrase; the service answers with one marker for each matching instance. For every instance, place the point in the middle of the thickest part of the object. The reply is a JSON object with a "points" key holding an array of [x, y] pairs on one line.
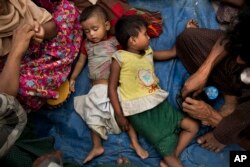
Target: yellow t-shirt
{"points": [[138, 84]]}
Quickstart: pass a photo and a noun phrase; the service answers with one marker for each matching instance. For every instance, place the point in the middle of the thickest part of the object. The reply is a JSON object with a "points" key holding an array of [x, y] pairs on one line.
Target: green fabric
{"points": [[28, 148], [160, 126]]}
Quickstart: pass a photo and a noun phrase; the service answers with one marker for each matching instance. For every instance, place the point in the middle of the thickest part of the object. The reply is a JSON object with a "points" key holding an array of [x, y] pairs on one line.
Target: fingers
{"points": [[72, 85], [196, 93], [21, 38], [184, 92], [24, 29], [189, 104], [36, 26], [38, 40]]}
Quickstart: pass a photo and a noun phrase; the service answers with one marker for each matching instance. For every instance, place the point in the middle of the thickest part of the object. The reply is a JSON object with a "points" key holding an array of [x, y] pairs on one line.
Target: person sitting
{"points": [[48, 60], [222, 59], [13, 118]]}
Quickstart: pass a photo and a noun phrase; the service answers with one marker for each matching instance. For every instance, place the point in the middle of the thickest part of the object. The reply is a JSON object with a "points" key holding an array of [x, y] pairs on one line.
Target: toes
{"points": [[201, 140], [192, 24]]}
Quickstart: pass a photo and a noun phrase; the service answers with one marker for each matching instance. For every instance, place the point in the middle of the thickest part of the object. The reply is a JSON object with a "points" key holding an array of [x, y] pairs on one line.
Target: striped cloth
{"points": [[13, 119]]}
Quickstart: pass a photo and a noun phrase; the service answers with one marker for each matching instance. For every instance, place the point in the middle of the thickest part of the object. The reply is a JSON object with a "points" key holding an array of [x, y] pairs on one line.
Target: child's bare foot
{"points": [[141, 152], [192, 24], [163, 164], [96, 151]]}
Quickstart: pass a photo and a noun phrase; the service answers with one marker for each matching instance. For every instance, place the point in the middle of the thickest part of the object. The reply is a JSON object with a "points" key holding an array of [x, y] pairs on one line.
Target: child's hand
{"points": [[39, 32], [122, 122], [72, 85]]}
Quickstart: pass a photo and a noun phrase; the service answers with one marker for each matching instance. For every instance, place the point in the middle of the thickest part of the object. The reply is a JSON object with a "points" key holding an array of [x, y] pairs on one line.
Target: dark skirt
{"points": [[193, 46]]}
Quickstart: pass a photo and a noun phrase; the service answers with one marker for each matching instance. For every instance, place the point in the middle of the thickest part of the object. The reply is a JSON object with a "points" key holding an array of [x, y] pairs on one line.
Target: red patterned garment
{"points": [[45, 67]]}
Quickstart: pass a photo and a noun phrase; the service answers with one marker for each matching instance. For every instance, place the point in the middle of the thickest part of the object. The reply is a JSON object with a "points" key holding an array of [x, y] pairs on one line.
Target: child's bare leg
{"points": [[97, 148], [142, 153], [163, 164], [190, 128], [172, 161]]}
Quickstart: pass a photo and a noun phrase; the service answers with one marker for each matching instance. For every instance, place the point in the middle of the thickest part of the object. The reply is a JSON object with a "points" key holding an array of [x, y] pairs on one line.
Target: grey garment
{"points": [[100, 57], [13, 119]]}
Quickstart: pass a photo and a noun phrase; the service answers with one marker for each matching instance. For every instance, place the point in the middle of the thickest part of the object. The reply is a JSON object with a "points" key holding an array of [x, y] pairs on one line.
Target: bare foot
{"points": [[96, 151], [163, 164], [209, 142], [192, 24], [141, 152]]}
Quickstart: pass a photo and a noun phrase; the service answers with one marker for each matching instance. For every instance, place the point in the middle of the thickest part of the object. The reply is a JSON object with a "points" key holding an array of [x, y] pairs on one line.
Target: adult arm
{"points": [[196, 82], [10, 74], [113, 96]]}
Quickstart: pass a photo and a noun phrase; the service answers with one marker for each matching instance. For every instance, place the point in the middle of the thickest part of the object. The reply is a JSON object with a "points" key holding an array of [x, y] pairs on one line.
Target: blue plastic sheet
{"points": [[72, 136]]}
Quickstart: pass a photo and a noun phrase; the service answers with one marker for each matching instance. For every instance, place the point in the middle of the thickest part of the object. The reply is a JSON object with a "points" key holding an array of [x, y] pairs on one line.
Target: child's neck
{"points": [[132, 50]]}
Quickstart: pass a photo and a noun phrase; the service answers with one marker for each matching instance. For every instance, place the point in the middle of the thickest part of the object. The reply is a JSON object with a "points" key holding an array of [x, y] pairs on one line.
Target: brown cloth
{"points": [[235, 128], [193, 46]]}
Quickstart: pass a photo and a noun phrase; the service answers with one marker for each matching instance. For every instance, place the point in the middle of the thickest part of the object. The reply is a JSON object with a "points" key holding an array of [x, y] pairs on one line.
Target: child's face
{"points": [[95, 28], [142, 40]]}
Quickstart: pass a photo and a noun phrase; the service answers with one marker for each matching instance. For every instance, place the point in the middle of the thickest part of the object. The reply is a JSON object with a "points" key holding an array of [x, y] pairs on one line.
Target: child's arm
{"points": [[113, 96], [78, 68], [165, 54]]}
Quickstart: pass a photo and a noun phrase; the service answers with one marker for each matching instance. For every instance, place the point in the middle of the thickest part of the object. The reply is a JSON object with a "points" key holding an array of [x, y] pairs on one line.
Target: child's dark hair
{"points": [[128, 26], [91, 10], [239, 35]]}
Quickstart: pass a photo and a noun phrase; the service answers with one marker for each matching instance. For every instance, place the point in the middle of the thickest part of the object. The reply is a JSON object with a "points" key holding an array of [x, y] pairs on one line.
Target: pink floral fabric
{"points": [[45, 67]]}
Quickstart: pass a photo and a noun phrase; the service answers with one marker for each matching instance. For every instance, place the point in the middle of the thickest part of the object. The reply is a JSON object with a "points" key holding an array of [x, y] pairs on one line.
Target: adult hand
{"points": [[39, 32], [21, 39], [197, 109], [209, 142], [194, 85], [122, 122]]}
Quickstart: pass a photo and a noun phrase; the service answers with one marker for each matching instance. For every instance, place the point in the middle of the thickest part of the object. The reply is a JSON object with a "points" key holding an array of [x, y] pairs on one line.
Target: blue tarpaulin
{"points": [[71, 134]]}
